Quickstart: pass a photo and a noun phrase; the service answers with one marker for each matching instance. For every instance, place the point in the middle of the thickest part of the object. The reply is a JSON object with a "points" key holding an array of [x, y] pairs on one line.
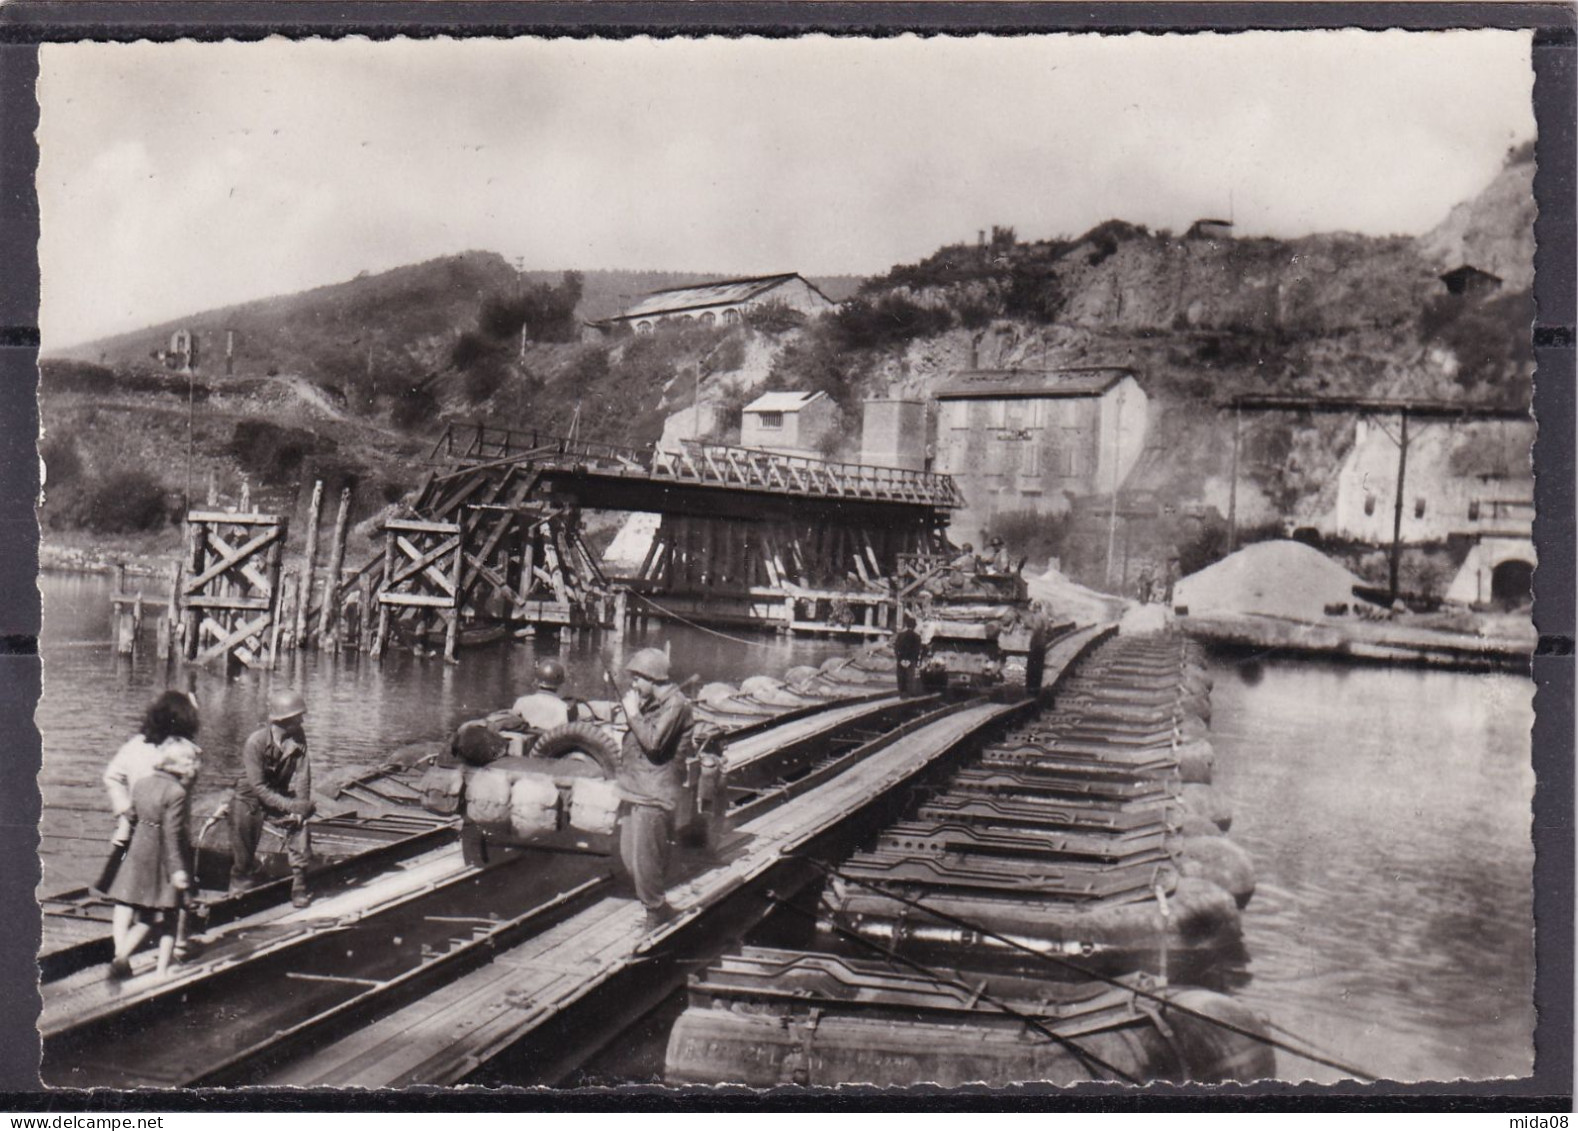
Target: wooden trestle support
{"points": [[494, 541], [828, 577], [229, 591]]}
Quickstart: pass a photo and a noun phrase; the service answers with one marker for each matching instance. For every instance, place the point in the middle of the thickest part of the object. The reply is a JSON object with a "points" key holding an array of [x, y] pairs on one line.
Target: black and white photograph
{"points": [[804, 561]]}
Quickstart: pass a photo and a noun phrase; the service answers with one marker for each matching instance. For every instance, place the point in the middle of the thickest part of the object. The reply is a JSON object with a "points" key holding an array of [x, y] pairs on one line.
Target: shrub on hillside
{"points": [[727, 356], [889, 322], [483, 379], [1034, 292], [115, 500], [63, 376], [414, 406], [815, 364], [62, 461], [1492, 339], [547, 312], [272, 453]]}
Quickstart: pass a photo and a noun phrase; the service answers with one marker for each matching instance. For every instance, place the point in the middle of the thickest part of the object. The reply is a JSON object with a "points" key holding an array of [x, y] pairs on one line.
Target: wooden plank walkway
{"points": [[87, 994], [452, 1032], [753, 746]]}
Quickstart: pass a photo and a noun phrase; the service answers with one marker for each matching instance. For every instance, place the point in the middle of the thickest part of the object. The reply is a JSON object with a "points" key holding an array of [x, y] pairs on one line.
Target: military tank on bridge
{"points": [[978, 627]]}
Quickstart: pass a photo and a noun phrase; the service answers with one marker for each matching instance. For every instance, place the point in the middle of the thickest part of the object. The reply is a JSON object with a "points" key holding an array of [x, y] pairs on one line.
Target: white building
{"points": [[1461, 479], [790, 423], [1469, 481]]}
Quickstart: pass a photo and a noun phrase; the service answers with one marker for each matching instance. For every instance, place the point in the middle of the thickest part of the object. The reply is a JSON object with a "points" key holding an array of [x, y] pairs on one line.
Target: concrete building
{"points": [[1466, 483], [723, 303], [893, 433], [1033, 440], [1461, 479], [790, 423]]}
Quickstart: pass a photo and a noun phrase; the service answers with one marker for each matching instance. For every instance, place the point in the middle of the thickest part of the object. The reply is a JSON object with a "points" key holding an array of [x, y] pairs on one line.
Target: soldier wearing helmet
{"points": [[544, 709], [999, 562], [275, 784], [651, 775]]}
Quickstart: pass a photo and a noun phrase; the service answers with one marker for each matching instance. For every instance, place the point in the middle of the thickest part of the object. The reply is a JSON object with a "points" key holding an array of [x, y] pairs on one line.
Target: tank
{"points": [[979, 630]]}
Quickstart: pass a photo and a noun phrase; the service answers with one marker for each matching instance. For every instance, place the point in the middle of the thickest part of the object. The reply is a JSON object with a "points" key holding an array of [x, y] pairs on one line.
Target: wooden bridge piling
{"points": [[314, 513], [329, 614]]}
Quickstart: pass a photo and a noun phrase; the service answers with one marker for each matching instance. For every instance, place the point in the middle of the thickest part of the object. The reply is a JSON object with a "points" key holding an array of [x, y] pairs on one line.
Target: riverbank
{"points": [[1497, 642], [145, 555]]}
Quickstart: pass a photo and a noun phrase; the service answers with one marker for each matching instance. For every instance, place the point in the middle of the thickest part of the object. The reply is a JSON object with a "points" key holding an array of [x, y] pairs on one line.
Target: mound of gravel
{"points": [[1282, 579]]}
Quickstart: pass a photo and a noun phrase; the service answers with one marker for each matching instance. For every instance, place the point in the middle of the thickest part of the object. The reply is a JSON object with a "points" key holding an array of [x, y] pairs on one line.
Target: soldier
{"points": [[651, 776], [275, 784], [544, 709], [907, 655], [999, 562]]}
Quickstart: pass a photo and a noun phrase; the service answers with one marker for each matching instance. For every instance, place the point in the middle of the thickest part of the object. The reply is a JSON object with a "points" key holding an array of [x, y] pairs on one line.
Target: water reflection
{"points": [[358, 708], [1387, 811]]}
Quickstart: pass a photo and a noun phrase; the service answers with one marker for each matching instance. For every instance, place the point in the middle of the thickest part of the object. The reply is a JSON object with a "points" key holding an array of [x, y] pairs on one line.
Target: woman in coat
{"points": [[171, 720], [158, 867]]}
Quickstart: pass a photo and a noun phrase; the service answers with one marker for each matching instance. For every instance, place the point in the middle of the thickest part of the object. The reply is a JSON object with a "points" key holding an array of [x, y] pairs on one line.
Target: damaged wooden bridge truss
{"points": [[493, 541]]}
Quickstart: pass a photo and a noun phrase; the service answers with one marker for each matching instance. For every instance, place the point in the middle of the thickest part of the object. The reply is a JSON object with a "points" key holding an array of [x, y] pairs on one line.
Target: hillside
{"points": [[351, 379]]}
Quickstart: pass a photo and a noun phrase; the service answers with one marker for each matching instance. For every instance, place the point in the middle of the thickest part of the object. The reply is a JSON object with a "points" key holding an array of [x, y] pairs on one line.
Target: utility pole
{"points": [[1232, 487], [190, 447], [1397, 509], [1112, 513]]}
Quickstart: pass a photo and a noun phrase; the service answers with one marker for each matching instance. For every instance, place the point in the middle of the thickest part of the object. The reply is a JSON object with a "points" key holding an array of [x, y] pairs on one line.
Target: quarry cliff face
{"points": [[1203, 317], [1494, 231]]}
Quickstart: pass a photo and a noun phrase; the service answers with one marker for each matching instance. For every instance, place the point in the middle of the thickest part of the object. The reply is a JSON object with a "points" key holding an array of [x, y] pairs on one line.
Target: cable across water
{"points": [[1073, 967]]}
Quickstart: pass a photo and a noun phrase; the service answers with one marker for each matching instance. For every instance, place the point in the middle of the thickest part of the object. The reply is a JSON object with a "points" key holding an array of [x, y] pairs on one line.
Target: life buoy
{"points": [[582, 740]]}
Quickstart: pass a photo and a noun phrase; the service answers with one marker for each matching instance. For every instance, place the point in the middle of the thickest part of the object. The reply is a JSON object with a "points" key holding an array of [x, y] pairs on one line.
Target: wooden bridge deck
{"points": [[452, 1032]]}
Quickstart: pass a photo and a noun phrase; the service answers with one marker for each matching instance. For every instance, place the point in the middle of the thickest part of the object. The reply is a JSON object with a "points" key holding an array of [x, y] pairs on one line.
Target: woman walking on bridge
{"points": [[152, 883], [170, 723]]}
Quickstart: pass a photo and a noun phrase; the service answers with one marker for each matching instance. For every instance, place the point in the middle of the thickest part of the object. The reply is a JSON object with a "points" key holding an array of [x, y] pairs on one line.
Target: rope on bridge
{"points": [[698, 627]]}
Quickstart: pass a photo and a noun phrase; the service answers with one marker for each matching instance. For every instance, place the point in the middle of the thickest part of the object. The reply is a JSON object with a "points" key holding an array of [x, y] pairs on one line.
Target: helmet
{"points": [[651, 663], [284, 705], [997, 541], [550, 674]]}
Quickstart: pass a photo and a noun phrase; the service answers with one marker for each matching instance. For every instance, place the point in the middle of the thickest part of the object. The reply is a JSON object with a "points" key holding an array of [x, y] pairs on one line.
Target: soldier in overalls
{"points": [[652, 776], [275, 784]]}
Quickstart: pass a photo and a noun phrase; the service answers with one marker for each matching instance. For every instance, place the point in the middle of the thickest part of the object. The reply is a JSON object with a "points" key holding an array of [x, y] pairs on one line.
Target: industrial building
{"points": [[1034, 439], [721, 303]]}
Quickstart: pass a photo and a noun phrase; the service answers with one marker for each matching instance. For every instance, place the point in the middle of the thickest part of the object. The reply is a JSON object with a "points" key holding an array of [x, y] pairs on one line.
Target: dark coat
{"points": [[652, 759], [275, 777], [161, 844]]}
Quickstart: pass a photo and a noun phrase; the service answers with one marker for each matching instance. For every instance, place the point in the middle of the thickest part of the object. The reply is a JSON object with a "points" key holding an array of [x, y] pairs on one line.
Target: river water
{"points": [[1387, 811]]}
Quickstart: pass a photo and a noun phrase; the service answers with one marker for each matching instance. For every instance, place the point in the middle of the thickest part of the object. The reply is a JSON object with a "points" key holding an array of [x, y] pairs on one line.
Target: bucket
{"points": [[594, 805], [534, 806]]}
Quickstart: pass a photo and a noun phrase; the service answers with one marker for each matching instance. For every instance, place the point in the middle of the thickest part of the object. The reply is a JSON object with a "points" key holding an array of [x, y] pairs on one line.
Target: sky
{"points": [[175, 178]]}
